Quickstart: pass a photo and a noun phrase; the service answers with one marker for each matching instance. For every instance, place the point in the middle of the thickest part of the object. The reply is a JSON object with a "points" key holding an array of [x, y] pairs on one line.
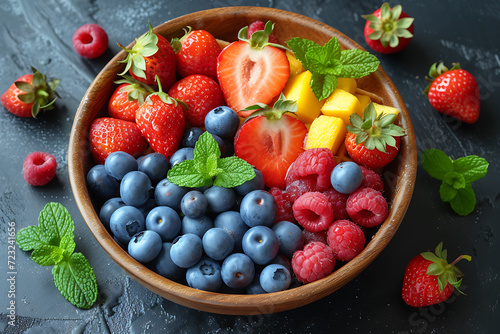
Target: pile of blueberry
{"points": [[211, 238]]}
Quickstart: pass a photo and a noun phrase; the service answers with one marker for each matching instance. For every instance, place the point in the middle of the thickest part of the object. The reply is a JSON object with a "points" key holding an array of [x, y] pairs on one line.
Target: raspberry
{"points": [[314, 236], [284, 205], [315, 261], [259, 25], [313, 211], [367, 207], [346, 239], [298, 188], [90, 41], [314, 165], [338, 202], [39, 168], [371, 179]]}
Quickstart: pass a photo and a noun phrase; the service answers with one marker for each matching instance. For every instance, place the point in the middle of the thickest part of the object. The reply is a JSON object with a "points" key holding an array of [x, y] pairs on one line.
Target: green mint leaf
{"points": [[357, 63], [465, 201], [30, 238], [471, 167], [204, 147], [436, 163], [454, 180], [300, 46], [320, 62], [47, 255], [186, 174], [447, 192], [68, 244], [236, 171], [323, 85], [55, 222], [76, 281]]}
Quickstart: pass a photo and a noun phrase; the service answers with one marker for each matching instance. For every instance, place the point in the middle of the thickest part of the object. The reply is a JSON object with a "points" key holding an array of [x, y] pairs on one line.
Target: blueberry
{"points": [[219, 199], [164, 265], [155, 166], [221, 143], [205, 275], [346, 177], [275, 277], [186, 250], [217, 243], [100, 184], [108, 208], [165, 221], [190, 137], [258, 207], [237, 271], [135, 188], [222, 121], [261, 244], [232, 222], [169, 194], [194, 204], [125, 222], [254, 288], [185, 153], [145, 246], [198, 225], [257, 183], [290, 237], [119, 163]]}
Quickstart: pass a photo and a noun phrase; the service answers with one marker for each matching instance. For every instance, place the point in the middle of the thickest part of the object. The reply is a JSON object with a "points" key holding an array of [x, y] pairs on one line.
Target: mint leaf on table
{"points": [[456, 176], [52, 243], [327, 63]]}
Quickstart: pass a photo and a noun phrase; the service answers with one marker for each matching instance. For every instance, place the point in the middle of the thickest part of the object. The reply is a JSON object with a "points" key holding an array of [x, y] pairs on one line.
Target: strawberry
{"points": [[200, 94], [259, 25], [429, 279], [373, 141], [388, 30], [108, 135], [271, 141], [196, 53], [161, 120], [454, 92], [127, 98], [30, 94], [252, 70], [151, 56]]}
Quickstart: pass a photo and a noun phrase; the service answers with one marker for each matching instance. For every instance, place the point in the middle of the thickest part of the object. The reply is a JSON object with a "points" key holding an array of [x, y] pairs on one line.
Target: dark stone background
{"points": [[38, 33]]}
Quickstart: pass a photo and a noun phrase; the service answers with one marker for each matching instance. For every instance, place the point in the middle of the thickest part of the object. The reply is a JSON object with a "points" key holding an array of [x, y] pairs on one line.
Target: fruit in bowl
{"points": [[224, 24]]}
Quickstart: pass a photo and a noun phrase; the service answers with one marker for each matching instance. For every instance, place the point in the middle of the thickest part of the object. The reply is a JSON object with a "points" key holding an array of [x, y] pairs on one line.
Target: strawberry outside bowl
{"points": [[224, 23]]}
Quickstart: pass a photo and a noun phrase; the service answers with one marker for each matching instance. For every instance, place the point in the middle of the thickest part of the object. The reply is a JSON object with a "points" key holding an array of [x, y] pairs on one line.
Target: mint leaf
{"points": [[236, 171], [68, 244], [186, 174], [56, 222], [436, 163], [357, 63], [76, 281], [447, 192], [300, 47], [471, 167], [454, 180], [47, 255], [30, 237], [204, 147], [323, 85], [465, 201]]}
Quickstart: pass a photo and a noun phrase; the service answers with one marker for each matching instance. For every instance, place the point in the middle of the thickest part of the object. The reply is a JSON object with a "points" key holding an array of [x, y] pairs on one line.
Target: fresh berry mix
{"points": [[205, 183], [39, 168], [90, 41]]}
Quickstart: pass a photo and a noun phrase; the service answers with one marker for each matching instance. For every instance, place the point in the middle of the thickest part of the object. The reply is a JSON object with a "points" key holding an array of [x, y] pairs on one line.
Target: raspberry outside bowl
{"points": [[224, 23]]}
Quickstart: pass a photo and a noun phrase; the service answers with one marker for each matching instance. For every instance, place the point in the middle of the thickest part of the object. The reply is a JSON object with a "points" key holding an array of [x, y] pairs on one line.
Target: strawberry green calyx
{"points": [[164, 97], [145, 46], [375, 131], [260, 38], [436, 70], [135, 90], [41, 92], [281, 106], [176, 43], [446, 273], [389, 27]]}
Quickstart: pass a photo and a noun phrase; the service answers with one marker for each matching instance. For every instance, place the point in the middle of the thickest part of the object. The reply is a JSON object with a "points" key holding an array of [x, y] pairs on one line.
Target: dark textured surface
{"points": [[38, 33]]}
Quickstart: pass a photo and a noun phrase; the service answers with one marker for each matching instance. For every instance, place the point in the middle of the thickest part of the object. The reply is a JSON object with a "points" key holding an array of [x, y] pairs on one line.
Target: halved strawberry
{"points": [[252, 70], [271, 141]]}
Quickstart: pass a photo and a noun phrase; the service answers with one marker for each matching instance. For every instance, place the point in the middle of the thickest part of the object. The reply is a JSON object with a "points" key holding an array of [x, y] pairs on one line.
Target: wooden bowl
{"points": [[224, 23]]}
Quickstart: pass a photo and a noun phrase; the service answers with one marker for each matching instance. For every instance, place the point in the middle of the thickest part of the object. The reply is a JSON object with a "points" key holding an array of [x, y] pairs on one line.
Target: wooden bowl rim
{"points": [[231, 303]]}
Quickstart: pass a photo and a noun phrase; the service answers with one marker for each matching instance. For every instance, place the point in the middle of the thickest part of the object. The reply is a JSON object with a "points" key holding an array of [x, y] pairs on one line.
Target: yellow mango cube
{"points": [[347, 84], [364, 100], [326, 132], [342, 104], [295, 64], [380, 108], [297, 88]]}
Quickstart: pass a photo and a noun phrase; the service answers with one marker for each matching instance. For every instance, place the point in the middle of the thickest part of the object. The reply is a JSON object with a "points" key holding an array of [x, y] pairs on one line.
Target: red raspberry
{"points": [[346, 239], [313, 211], [314, 165], [299, 188], [284, 205], [90, 41], [314, 236], [39, 168], [367, 207], [371, 179], [259, 25], [338, 202], [315, 261]]}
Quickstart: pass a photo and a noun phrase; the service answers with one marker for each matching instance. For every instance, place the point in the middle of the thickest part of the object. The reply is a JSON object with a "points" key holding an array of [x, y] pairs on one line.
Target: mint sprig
{"points": [[208, 168], [456, 176], [52, 243], [327, 63]]}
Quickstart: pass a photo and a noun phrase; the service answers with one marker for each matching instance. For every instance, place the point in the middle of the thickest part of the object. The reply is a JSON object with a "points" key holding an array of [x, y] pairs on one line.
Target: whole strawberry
{"points": [[30, 94], [453, 92], [429, 279], [373, 141], [196, 53], [151, 56], [127, 98], [388, 30]]}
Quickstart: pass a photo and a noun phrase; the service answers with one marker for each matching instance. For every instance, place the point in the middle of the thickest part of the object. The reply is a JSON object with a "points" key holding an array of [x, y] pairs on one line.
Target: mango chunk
{"points": [[297, 88], [326, 132], [295, 64], [347, 84], [342, 104], [364, 100], [380, 108]]}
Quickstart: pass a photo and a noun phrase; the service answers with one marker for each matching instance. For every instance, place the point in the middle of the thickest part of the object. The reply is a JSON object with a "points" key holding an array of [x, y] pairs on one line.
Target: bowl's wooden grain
{"points": [[224, 23]]}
